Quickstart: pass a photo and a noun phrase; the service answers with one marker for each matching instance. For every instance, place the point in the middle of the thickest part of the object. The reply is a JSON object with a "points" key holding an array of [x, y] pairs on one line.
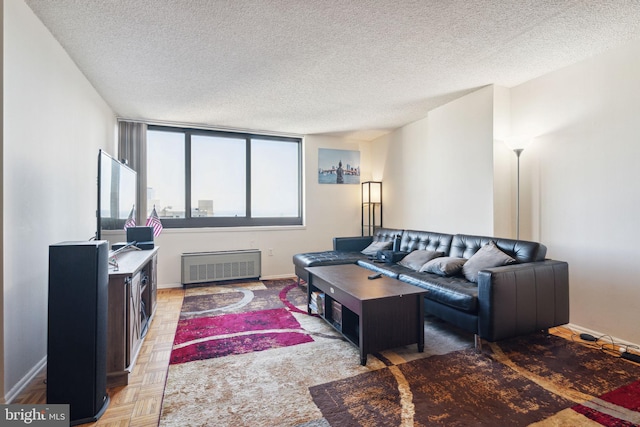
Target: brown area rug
{"points": [[517, 383], [318, 381]]}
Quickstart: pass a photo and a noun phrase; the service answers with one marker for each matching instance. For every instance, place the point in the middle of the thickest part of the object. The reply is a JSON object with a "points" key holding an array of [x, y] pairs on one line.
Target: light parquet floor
{"points": [[139, 403]]}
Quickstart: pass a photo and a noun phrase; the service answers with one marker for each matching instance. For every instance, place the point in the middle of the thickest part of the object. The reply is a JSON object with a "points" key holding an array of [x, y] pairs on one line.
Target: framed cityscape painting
{"points": [[338, 166]]}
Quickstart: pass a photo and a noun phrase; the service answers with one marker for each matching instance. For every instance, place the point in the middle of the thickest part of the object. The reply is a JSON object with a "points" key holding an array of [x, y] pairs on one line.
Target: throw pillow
{"points": [[486, 257], [374, 247], [444, 266], [416, 259]]}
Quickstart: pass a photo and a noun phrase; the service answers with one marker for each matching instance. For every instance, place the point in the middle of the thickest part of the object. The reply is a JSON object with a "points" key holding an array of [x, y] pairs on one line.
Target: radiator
{"points": [[199, 267]]}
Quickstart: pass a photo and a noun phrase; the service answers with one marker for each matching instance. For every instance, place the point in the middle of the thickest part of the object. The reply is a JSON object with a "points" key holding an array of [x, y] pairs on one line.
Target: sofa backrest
{"points": [[464, 246], [386, 234], [413, 240]]}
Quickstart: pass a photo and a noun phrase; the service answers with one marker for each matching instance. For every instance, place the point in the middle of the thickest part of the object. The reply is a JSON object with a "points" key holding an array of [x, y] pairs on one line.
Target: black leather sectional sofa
{"points": [[529, 294]]}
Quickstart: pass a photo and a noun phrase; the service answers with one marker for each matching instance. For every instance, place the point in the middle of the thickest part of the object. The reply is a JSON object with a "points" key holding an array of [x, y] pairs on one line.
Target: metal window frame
{"points": [[247, 221]]}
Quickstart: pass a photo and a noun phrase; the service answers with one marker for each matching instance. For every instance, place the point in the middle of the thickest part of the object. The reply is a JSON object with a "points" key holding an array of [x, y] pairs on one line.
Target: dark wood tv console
{"points": [[376, 314], [133, 287]]}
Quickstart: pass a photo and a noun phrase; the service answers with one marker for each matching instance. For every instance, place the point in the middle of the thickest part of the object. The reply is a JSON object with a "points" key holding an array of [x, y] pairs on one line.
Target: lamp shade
{"points": [[372, 192]]}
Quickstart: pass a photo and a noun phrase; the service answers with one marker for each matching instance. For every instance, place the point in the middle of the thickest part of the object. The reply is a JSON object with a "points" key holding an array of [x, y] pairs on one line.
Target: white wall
{"points": [[581, 175], [2, 387], [504, 167], [460, 165], [54, 124], [330, 211], [438, 171], [399, 165]]}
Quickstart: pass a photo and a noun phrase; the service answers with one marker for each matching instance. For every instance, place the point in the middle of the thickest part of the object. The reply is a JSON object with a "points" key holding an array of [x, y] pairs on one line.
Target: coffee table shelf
{"points": [[375, 314], [348, 325]]}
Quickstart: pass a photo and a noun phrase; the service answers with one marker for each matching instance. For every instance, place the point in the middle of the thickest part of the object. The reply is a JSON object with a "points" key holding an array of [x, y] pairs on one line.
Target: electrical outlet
{"points": [[270, 251]]}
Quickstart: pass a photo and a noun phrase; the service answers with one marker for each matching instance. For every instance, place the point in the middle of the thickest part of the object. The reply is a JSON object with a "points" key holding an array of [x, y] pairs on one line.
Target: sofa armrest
{"points": [[520, 299], [351, 244]]}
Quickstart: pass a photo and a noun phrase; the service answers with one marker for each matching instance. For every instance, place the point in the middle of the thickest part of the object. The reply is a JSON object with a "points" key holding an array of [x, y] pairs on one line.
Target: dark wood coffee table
{"points": [[376, 314]]}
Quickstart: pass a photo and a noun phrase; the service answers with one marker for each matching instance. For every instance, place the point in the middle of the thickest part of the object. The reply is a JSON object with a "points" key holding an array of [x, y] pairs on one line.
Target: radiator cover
{"points": [[200, 267]]}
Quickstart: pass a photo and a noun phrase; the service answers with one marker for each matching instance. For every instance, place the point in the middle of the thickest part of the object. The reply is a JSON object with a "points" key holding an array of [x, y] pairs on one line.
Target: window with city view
{"points": [[203, 178]]}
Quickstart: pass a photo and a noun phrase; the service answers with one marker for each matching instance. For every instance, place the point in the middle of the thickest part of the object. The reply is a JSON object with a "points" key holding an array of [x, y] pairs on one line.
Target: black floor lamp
{"points": [[371, 207]]}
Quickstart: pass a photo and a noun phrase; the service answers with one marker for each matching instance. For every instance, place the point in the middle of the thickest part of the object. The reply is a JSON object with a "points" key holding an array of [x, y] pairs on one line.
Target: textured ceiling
{"points": [[359, 68]]}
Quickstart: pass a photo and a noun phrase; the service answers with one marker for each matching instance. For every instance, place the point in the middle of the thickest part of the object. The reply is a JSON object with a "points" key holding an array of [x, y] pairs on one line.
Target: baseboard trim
{"points": [[25, 381], [271, 277], [579, 329], [170, 285], [279, 277]]}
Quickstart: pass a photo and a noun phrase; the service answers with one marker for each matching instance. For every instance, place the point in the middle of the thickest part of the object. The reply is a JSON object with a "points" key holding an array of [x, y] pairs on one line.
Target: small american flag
{"points": [[154, 221], [131, 219]]}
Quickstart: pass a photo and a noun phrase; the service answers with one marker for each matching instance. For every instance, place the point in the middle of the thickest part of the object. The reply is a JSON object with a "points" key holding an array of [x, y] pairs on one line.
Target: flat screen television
{"points": [[117, 193]]}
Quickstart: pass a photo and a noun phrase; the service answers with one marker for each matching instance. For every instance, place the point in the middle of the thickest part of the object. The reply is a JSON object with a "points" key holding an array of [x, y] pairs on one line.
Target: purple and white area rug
{"points": [[225, 320], [247, 354]]}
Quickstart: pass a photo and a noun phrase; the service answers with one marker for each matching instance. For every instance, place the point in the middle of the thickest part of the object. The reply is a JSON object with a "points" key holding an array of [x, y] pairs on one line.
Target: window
{"points": [[273, 179], [166, 173], [218, 174], [202, 178]]}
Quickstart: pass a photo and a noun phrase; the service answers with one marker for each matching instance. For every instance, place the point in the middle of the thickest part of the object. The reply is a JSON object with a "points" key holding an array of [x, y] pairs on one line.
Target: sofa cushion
{"points": [[464, 246], [412, 240], [351, 244], [386, 234], [374, 247], [312, 259], [487, 256], [456, 291], [386, 268], [444, 266], [416, 259]]}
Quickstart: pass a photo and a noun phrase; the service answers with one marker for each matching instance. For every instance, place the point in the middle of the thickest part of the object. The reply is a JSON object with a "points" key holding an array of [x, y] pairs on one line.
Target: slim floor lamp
{"points": [[518, 151], [518, 144]]}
